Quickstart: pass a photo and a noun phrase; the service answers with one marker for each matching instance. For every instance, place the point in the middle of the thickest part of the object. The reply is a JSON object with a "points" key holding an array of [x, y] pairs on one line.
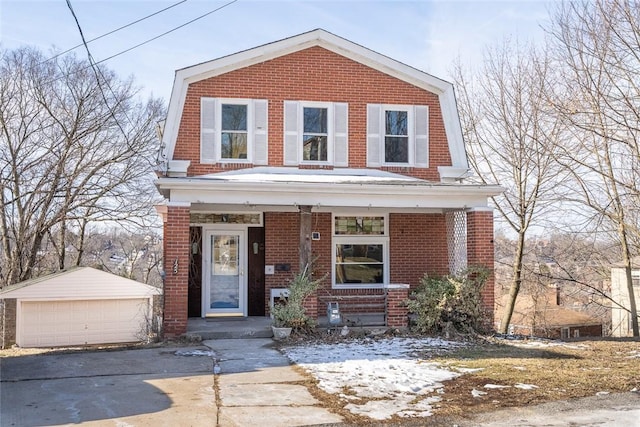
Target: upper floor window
{"points": [[315, 133], [397, 135], [233, 130]]}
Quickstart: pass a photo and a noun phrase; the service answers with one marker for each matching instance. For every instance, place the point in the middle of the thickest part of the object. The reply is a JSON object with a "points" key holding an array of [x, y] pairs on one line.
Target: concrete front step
{"points": [[229, 328], [231, 334]]}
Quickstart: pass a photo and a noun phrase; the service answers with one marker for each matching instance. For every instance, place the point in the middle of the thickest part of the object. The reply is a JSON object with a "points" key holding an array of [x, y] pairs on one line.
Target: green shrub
{"points": [[450, 301], [291, 314]]}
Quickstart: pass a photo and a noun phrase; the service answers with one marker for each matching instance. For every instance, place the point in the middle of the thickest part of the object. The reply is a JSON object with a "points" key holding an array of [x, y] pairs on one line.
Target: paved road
{"points": [[613, 410]]}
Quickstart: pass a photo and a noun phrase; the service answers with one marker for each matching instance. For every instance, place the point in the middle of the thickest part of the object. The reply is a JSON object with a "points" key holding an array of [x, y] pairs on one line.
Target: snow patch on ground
{"points": [[391, 374], [525, 386]]}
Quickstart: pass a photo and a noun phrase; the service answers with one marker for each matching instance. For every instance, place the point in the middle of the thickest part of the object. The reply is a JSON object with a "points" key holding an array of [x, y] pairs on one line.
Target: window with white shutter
{"points": [[234, 131], [397, 135], [316, 133]]}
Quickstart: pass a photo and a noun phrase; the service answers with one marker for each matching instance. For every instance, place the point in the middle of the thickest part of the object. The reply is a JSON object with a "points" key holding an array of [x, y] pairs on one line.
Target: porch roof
{"points": [[340, 187]]}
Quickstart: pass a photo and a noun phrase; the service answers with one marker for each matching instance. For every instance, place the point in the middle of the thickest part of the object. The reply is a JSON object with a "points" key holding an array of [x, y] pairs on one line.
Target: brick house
{"points": [[543, 316], [313, 147]]}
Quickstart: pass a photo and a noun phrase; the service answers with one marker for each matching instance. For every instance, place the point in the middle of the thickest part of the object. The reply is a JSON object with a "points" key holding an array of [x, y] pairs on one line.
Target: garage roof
{"points": [[79, 283]]}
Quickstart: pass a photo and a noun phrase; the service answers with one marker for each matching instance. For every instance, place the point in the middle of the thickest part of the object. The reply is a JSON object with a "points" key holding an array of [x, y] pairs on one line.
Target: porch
{"points": [[230, 242]]}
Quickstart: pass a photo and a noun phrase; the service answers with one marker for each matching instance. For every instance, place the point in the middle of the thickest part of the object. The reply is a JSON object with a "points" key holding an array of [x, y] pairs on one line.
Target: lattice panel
{"points": [[457, 241]]}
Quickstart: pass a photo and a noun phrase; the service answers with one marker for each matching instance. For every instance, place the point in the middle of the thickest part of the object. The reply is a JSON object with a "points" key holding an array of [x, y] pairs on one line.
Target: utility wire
{"points": [[116, 30], [149, 40], [166, 32], [98, 73]]}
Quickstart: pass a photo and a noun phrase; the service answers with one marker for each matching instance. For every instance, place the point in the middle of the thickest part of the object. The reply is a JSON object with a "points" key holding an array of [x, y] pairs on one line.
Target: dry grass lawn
{"points": [[558, 370]]}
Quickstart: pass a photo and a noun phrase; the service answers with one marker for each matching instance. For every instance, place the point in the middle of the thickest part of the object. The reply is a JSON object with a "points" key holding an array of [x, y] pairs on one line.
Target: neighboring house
{"points": [[620, 316], [314, 148], [543, 316], [78, 306]]}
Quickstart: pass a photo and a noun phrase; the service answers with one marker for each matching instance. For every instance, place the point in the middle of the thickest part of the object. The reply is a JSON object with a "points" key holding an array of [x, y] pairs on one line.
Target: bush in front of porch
{"points": [[292, 314], [453, 301]]}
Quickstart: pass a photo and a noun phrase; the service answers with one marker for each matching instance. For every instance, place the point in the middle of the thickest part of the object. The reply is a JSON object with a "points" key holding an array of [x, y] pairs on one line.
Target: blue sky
{"points": [[426, 34]]}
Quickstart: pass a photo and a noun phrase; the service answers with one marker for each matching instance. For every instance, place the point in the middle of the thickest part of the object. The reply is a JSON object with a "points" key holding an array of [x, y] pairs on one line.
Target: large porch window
{"points": [[360, 252]]}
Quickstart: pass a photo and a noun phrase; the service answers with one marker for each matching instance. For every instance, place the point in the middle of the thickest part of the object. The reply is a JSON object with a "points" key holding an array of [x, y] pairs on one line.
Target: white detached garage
{"points": [[78, 306]]}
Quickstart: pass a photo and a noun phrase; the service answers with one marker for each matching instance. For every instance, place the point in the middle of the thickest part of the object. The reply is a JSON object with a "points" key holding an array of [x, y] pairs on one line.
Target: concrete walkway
{"points": [[255, 386]]}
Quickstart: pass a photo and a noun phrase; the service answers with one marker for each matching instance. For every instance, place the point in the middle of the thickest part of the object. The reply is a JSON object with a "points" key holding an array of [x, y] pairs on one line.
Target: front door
{"points": [[225, 285]]}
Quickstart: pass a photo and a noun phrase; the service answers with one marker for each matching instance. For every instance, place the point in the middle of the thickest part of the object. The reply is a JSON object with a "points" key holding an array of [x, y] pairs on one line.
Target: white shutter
{"points": [[340, 134], [375, 134], [260, 132], [291, 137], [421, 137], [208, 132]]}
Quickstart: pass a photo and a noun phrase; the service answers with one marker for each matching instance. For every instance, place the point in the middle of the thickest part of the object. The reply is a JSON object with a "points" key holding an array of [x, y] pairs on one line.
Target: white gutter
{"points": [[423, 195]]}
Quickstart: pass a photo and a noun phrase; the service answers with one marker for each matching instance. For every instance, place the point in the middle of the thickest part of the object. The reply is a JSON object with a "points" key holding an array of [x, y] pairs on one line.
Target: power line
{"points": [[98, 73], [148, 40], [166, 32], [115, 30]]}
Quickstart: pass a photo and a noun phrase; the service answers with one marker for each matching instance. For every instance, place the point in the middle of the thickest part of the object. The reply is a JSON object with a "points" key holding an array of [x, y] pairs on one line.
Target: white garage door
{"points": [[62, 323]]}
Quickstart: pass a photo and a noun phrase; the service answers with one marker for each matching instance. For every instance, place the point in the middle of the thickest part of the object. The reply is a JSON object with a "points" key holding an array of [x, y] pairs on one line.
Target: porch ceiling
{"points": [[346, 188]]}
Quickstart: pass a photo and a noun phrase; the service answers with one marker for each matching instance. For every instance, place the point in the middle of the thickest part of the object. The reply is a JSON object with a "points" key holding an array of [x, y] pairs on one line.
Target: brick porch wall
{"points": [[480, 250], [417, 243], [176, 247]]}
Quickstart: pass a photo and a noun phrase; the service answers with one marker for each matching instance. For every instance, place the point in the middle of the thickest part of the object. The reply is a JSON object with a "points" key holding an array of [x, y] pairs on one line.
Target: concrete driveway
{"points": [[159, 387], [130, 387]]}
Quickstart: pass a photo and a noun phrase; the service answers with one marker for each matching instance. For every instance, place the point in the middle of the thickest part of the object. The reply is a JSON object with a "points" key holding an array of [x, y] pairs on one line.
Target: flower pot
{"points": [[280, 333]]}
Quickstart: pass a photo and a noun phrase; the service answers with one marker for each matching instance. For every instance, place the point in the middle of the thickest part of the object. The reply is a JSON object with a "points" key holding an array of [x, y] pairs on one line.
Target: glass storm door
{"points": [[225, 284]]}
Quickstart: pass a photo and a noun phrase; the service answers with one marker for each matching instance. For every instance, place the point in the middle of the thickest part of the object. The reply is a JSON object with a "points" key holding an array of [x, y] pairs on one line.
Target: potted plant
{"points": [[290, 314]]}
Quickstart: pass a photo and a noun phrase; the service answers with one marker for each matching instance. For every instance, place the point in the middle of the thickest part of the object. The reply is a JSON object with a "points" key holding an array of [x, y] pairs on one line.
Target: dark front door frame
{"points": [[194, 293], [255, 270]]}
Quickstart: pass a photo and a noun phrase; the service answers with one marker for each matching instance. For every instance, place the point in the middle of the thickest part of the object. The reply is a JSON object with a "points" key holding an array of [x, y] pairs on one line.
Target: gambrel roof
{"points": [[335, 44]]}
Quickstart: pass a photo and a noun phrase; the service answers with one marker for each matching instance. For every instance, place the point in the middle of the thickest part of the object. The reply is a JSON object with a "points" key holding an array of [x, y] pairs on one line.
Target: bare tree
{"points": [[76, 147], [510, 138], [597, 47]]}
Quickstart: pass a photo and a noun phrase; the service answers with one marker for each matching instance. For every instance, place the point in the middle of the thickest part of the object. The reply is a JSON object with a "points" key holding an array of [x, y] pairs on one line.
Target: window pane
{"points": [[396, 149], [368, 225], [234, 117], [359, 264], [315, 120], [355, 273], [396, 123], [359, 253], [234, 145], [314, 148]]}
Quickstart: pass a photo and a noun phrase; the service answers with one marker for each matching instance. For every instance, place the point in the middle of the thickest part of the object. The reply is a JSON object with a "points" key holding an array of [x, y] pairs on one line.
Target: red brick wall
{"points": [[176, 246], [480, 250], [418, 245], [314, 74], [397, 312], [281, 231]]}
